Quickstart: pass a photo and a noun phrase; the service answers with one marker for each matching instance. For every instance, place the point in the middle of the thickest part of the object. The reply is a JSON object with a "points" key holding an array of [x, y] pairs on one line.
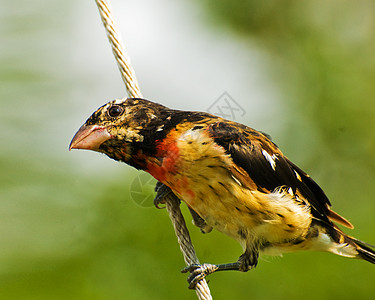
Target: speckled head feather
{"points": [[126, 118], [136, 123], [126, 121]]}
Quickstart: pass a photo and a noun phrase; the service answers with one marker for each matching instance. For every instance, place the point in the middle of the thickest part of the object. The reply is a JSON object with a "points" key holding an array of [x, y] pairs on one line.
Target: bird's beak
{"points": [[89, 137]]}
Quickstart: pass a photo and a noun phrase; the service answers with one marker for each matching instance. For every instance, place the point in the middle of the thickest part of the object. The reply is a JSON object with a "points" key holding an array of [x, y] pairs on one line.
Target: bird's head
{"points": [[117, 126]]}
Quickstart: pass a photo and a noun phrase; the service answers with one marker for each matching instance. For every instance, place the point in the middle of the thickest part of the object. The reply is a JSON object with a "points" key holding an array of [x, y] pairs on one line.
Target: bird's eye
{"points": [[115, 111]]}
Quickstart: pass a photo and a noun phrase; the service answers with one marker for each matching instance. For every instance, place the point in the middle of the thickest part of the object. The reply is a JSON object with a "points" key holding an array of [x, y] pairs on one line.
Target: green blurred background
{"points": [[304, 71]]}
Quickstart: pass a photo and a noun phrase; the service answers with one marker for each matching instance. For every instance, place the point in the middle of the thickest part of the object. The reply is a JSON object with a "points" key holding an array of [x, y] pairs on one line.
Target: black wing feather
{"points": [[246, 147]]}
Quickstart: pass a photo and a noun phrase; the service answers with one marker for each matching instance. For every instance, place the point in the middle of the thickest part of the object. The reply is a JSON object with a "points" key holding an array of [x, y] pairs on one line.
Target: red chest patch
{"points": [[165, 161], [167, 167]]}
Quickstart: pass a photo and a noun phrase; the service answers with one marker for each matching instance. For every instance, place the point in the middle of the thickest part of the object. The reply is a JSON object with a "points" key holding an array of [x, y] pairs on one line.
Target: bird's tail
{"points": [[365, 251], [348, 246]]}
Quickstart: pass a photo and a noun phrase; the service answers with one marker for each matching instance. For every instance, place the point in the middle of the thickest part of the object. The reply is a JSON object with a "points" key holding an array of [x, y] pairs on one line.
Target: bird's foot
{"points": [[161, 191], [246, 262], [198, 272]]}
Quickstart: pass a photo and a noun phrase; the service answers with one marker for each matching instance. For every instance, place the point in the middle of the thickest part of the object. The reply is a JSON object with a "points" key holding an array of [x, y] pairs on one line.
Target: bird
{"points": [[233, 178]]}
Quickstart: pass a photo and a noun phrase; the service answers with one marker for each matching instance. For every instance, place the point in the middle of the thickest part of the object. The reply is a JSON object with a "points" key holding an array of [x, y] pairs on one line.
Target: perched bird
{"points": [[233, 178]]}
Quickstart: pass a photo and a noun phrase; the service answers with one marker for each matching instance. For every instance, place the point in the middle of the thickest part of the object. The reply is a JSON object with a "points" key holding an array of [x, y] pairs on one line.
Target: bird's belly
{"points": [[245, 215]]}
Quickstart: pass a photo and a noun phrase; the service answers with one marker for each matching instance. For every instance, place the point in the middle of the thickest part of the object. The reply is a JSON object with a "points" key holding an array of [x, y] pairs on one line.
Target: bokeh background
{"points": [[303, 71]]}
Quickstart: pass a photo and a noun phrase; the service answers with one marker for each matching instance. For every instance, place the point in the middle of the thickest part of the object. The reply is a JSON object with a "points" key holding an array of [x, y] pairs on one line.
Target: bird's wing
{"points": [[268, 168]]}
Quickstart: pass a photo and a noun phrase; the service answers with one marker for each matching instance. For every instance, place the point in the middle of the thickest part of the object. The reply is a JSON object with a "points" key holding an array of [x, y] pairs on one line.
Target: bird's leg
{"points": [[199, 222], [246, 262], [161, 191]]}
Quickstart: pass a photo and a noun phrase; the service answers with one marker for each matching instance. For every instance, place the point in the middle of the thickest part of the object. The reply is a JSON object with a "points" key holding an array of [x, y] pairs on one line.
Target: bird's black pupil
{"points": [[115, 111]]}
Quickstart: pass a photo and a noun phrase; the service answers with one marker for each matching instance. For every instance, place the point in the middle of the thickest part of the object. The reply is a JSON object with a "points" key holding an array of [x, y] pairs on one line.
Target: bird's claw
{"points": [[161, 191], [198, 272]]}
